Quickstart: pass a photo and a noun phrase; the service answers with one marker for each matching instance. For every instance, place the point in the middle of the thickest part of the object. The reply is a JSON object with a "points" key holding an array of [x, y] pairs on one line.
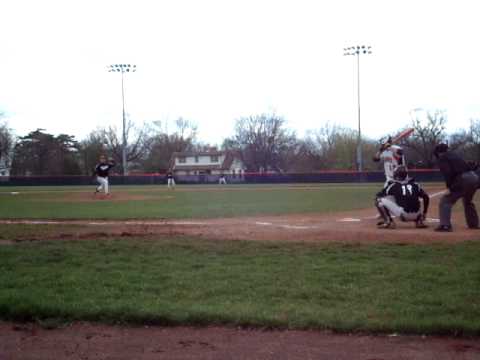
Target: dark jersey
{"points": [[406, 194], [102, 169], [451, 165]]}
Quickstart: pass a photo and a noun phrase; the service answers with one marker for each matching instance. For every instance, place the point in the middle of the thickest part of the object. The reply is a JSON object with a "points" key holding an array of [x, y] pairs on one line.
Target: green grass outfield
{"points": [[201, 201], [396, 288]]}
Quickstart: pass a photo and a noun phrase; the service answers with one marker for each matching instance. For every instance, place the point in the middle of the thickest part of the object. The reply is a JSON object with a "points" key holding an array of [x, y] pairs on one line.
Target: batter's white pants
{"points": [[222, 181], [103, 181], [396, 210], [171, 183]]}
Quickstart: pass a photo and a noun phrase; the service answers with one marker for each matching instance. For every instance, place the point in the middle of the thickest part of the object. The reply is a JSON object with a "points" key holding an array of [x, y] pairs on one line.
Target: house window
{"points": [[213, 158], [182, 159]]}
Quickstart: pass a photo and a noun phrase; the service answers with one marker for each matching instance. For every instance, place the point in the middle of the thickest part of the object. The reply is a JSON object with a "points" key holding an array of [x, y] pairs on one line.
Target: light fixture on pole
{"points": [[357, 51], [123, 68]]}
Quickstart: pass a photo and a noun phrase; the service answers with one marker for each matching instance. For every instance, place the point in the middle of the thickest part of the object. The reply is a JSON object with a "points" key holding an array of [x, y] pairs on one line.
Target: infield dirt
{"points": [[89, 341], [357, 226]]}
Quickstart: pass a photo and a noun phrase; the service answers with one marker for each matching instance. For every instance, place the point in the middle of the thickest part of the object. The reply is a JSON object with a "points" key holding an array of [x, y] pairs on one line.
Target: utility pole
{"points": [[123, 68], [357, 51]]}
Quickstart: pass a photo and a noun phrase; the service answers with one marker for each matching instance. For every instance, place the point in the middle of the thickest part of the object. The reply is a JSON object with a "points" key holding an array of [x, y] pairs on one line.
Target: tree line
{"points": [[264, 142]]}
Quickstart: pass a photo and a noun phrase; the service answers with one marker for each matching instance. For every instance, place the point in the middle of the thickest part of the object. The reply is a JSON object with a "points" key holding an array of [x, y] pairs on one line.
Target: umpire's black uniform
{"points": [[461, 182]]}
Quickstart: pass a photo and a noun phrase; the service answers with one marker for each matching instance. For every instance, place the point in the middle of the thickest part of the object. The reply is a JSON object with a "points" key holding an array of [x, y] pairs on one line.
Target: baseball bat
{"points": [[402, 135]]}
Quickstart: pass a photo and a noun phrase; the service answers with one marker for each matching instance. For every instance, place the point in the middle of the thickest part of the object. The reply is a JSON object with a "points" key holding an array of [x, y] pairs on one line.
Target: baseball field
{"points": [[253, 256]]}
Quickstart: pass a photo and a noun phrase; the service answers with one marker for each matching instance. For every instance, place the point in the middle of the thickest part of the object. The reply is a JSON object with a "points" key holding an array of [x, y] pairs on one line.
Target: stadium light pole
{"points": [[123, 68], [357, 51]]}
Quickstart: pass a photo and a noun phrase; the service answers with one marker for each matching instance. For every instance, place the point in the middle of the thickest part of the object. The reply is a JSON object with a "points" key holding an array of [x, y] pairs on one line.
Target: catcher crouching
{"points": [[401, 198]]}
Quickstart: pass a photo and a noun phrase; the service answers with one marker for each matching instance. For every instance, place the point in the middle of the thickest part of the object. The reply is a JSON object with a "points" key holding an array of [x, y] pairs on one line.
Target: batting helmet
{"points": [[400, 173]]}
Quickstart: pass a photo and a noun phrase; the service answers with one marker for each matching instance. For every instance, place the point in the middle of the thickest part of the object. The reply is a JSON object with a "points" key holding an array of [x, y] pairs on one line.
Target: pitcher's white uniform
{"points": [[101, 171], [170, 181]]}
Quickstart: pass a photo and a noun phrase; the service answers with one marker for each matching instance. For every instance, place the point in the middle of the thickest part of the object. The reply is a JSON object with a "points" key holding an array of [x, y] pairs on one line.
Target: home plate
{"points": [[349, 220], [14, 193], [296, 227], [263, 223]]}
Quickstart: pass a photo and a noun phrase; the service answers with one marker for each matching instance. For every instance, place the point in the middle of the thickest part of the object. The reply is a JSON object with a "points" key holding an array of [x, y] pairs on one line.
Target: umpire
{"points": [[462, 182]]}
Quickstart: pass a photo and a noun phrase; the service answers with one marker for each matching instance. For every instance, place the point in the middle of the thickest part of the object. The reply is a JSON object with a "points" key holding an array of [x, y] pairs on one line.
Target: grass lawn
{"points": [[142, 202], [418, 289]]}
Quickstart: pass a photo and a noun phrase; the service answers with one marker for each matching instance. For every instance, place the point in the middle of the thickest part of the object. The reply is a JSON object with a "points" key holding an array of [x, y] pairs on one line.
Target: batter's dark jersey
{"points": [[406, 194], [102, 169]]}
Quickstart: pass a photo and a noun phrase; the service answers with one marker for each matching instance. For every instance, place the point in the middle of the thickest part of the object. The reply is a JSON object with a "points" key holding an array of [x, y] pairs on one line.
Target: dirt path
{"points": [[87, 341]]}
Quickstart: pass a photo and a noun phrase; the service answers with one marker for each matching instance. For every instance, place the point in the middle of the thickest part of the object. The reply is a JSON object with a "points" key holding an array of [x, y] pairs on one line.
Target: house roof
{"points": [[199, 153], [197, 167], [227, 161]]}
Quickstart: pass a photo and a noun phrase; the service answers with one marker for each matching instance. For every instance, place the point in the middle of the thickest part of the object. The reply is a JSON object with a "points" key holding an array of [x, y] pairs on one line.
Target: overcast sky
{"points": [[214, 61]]}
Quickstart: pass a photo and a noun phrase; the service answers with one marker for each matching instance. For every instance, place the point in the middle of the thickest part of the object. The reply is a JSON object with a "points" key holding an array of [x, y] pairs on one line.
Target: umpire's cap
{"points": [[440, 149]]}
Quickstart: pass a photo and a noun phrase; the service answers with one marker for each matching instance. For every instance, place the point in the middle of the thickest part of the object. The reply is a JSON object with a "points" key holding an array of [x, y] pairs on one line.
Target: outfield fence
{"points": [[245, 178]]}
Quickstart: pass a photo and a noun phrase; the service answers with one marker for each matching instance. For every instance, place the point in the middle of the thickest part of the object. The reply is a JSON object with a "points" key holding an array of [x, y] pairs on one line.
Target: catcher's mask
{"points": [[400, 173]]}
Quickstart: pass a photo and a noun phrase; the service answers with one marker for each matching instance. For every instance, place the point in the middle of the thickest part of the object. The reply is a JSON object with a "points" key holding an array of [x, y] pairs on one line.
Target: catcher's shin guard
{"points": [[384, 213]]}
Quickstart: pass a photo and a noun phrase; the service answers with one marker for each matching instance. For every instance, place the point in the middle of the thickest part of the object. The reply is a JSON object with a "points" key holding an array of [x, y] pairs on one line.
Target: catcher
{"points": [[101, 173], [401, 198]]}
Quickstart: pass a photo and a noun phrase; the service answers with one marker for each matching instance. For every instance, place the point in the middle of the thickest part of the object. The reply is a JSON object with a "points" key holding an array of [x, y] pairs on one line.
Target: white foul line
{"points": [[263, 223], [438, 193], [296, 227]]}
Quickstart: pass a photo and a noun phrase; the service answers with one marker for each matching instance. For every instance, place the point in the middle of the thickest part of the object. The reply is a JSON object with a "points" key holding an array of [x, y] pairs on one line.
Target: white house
{"points": [[207, 163]]}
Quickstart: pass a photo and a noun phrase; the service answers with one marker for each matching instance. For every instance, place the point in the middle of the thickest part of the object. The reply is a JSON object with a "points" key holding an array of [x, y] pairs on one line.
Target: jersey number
{"points": [[407, 189]]}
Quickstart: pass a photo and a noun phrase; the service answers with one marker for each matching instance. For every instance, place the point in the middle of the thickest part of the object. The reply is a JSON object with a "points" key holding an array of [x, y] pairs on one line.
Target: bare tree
{"points": [[90, 150], [475, 138], [164, 144], [472, 147], [336, 146], [264, 142], [139, 141], [475, 131], [7, 142], [429, 131], [186, 129]]}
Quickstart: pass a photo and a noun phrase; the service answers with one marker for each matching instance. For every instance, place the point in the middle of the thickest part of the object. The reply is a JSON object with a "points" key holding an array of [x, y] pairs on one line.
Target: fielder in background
{"points": [[392, 157], [222, 180], [462, 182], [101, 172], [170, 181], [401, 198]]}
